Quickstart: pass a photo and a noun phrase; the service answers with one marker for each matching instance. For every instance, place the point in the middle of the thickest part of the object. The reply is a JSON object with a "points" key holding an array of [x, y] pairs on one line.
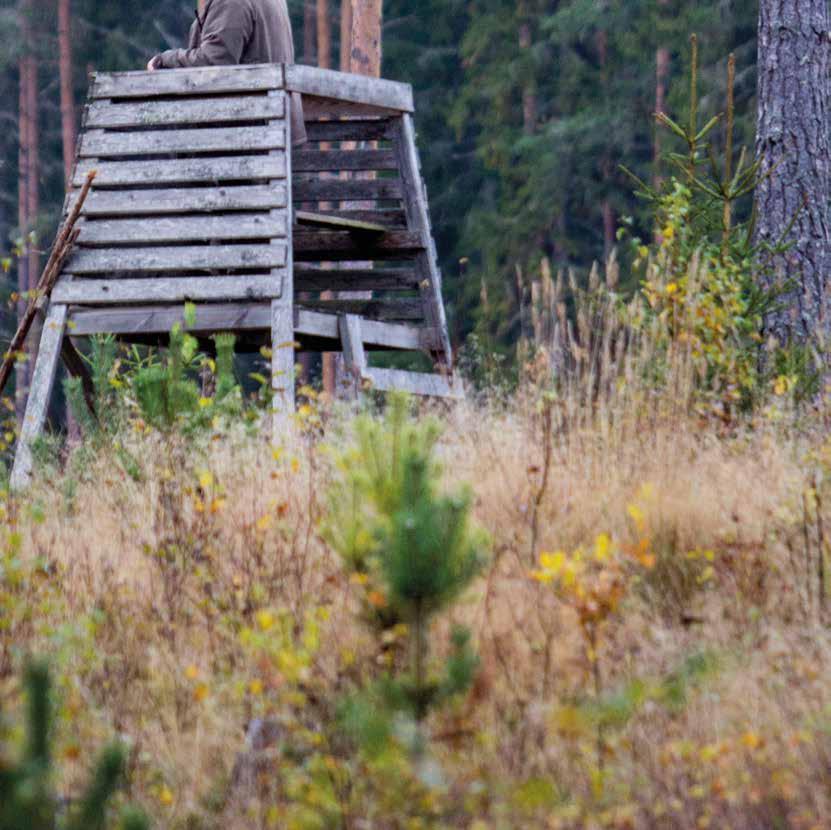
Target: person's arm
{"points": [[226, 29]]}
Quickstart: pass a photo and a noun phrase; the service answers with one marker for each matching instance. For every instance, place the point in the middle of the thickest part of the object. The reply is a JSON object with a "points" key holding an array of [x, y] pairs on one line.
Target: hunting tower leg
{"points": [[282, 364], [43, 379]]}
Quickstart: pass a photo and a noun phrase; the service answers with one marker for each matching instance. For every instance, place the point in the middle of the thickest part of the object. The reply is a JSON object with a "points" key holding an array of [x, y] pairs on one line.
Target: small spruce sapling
{"points": [[414, 545], [27, 797]]}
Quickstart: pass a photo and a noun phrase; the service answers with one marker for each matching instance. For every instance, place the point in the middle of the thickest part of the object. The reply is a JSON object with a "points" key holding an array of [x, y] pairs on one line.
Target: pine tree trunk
{"points": [[345, 34], [309, 33], [68, 125], [792, 200], [365, 54], [662, 69], [324, 35], [28, 187]]}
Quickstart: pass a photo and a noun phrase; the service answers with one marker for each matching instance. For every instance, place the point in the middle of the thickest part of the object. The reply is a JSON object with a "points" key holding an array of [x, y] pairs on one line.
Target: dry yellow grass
{"points": [[147, 587]]}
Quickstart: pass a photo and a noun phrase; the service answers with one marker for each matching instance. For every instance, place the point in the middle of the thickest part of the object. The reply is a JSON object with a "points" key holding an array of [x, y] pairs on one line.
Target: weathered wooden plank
{"points": [[240, 317], [404, 308], [370, 129], [184, 259], [103, 144], [282, 365], [358, 279], [165, 201], [168, 290], [339, 246], [189, 111], [182, 171], [338, 190], [359, 89], [418, 219], [313, 161], [183, 229], [40, 393], [321, 109], [417, 383], [327, 220], [354, 356], [213, 80], [384, 219]]}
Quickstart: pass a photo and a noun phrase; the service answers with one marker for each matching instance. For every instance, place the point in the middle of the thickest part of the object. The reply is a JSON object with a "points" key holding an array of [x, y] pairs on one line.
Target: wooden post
{"points": [[37, 406]]}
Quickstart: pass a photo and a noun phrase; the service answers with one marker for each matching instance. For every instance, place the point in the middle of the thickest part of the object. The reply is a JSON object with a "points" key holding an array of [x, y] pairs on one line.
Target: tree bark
{"points": [[28, 188], [309, 33], [792, 199], [365, 51], [68, 123], [345, 34], [324, 35]]}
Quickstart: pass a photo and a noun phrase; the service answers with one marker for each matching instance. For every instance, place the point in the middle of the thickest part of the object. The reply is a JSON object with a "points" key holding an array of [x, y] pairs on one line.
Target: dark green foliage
{"points": [[27, 797], [414, 545]]}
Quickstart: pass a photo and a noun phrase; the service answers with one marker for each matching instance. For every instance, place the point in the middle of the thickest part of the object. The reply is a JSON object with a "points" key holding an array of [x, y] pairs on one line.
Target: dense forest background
{"points": [[526, 111]]}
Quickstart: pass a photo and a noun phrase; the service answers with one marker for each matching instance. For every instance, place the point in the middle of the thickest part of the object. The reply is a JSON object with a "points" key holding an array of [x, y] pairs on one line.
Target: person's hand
{"points": [[152, 64]]}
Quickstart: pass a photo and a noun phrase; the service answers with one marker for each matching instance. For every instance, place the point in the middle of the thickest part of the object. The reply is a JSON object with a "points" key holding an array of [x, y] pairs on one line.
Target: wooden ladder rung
{"points": [[341, 223]]}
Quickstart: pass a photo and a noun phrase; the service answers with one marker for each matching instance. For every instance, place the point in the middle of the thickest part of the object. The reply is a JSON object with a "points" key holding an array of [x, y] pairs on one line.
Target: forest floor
{"points": [[189, 593]]}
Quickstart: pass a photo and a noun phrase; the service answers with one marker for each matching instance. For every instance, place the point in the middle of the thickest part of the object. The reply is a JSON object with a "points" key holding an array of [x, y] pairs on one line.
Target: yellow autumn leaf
{"points": [[602, 547], [191, 672], [553, 562], [206, 480], [265, 620], [165, 796], [264, 522]]}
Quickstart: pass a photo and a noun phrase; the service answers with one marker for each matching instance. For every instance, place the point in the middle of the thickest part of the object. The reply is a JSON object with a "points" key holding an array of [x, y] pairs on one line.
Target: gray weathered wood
{"points": [[322, 109], [189, 111], [404, 308], [104, 144], [183, 200], [382, 220], [184, 258], [338, 190], [359, 89], [282, 365], [417, 383], [339, 246], [374, 279], [40, 392], [354, 356], [418, 220], [212, 80], [184, 229], [328, 220], [240, 317], [370, 129], [181, 171], [312, 161], [168, 290]]}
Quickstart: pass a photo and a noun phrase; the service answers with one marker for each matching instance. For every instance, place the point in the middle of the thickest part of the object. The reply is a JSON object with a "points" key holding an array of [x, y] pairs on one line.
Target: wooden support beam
{"points": [[354, 356], [416, 383], [370, 129], [313, 161], [339, 190], [357, 89], [342, 223], [372, 279], [40, 393]]}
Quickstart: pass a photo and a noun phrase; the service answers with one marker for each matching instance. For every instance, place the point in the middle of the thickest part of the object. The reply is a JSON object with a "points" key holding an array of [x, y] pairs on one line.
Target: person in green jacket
{"points": [[231, 32]]}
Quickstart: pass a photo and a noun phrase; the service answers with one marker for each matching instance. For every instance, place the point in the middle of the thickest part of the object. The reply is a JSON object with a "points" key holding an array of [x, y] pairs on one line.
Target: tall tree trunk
{"points": [[662, 69], [606, 164], [792, 199], [68, 125], [345, 34], [529, 89], [309, 32], [28, 186], [365, 53], [324, 35]]}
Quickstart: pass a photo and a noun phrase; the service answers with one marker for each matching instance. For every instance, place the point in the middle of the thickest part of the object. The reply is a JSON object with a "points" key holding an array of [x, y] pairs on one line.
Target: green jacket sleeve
{"points": [[224, 31]]}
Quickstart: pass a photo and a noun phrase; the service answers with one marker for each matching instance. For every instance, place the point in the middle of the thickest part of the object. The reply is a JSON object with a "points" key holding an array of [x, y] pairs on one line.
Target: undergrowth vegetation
{"points": [[593, 596]]}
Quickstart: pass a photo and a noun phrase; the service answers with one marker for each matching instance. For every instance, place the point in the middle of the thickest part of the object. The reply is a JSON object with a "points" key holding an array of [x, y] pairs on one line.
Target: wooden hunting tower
{"points": [[199, 197]]}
